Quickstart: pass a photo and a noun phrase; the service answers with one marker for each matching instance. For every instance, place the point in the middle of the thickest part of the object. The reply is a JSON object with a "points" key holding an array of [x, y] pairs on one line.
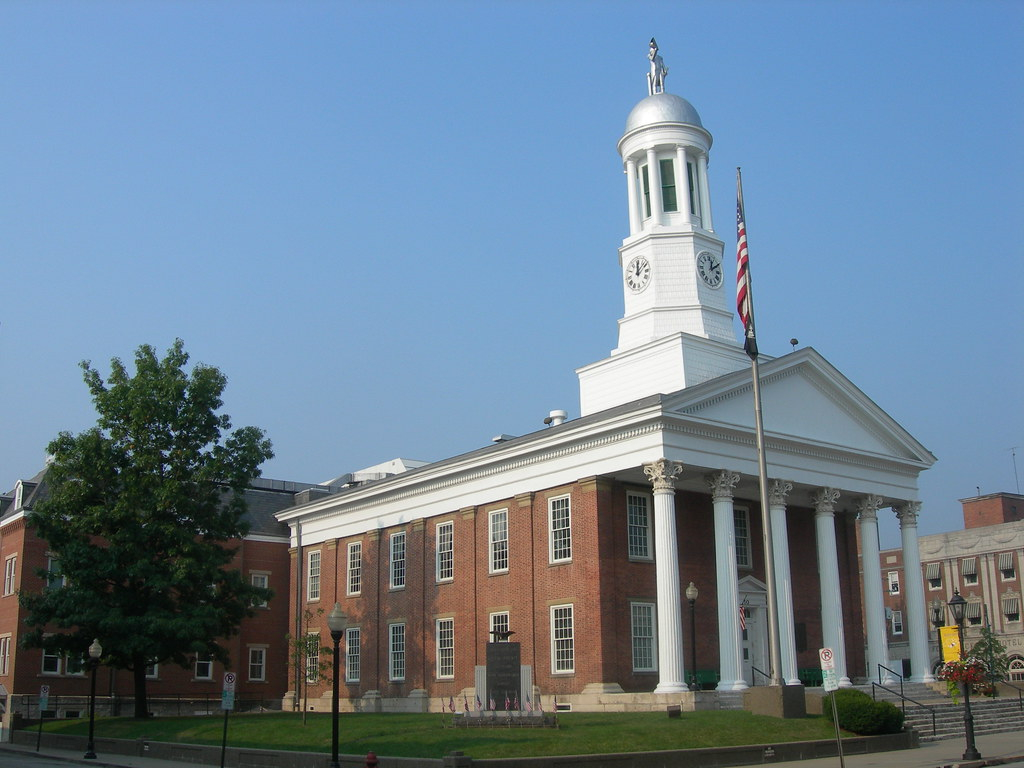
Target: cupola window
{"points": [[645, 186], [691, 174], [668, 186]]}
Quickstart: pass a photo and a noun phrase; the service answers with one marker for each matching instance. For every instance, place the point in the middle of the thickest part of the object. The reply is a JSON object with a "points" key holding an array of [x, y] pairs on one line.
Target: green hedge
{"points": [[859, 714]]}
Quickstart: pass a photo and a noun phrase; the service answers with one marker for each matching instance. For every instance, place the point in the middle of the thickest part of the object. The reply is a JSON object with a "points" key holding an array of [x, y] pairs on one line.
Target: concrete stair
{"points": [[1003, 715]]}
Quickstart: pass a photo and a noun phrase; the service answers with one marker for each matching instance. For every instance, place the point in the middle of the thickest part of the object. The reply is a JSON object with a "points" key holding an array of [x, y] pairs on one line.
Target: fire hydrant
{"points": [[371, 760]]}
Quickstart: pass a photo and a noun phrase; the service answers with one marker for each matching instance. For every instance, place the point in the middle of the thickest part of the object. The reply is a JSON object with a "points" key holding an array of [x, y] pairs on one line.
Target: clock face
{"points": [[709, 267], [638, 274]]}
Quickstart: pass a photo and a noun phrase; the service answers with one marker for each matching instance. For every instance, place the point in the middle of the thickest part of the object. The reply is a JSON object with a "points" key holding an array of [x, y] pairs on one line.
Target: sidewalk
{"points": [[996, 749]]}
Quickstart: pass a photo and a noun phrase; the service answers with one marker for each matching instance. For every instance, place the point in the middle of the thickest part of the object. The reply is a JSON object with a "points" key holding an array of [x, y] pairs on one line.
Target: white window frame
{"points": [[354, 568], [396, 560], [396, 652], [313, 561], [152, 671], [638, 526], [560, 529], [497, 541], [498, 622], [445, 551], [260, 579], [894, 582], [55, 661], [54, 579], [5, 655], [444, 642], [203, 661], [353, 662], [934, 582], [741, 537], [1016, 669], [10, 574], [257, 662], [312, 657], [969, 570], [896, 622], [1010, 606], [74, 664], [563, 643], [644, 633]]}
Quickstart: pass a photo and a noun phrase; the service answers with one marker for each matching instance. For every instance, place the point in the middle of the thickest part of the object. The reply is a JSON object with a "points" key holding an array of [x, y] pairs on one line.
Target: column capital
{"points": [[721, 483], [778, 490], [663, 473], [907, 513], [868, 506], [825, 501]]}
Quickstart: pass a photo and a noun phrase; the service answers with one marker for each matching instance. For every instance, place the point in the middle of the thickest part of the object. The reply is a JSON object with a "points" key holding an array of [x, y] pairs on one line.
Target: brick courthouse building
{"points": [[582, 537]]}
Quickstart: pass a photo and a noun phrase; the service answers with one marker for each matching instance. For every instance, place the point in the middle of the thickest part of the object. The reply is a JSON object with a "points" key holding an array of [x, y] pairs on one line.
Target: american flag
{"points": [[479, 704], [744, 300], [743, 617], [465, 702], [451, 703]]}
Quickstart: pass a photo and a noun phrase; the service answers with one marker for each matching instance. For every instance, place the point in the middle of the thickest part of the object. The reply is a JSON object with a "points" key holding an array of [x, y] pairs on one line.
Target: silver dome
{"points": [[662, 108]]}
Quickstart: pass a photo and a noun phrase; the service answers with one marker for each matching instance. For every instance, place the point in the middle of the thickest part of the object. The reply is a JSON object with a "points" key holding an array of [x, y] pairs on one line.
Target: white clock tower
{"points": [[677, 329]]}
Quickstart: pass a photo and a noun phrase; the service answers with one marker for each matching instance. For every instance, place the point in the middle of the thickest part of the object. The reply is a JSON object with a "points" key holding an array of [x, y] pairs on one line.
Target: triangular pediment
{"points": [[806, 400]]}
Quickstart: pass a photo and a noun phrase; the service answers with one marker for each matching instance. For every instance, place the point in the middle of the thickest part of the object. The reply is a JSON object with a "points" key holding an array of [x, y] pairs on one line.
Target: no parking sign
{"points": [[227, 696], [829, 679]]}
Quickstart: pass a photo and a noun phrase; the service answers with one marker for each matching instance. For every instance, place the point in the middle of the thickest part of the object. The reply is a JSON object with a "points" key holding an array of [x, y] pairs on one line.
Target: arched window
{"points": [[1016, 668]]}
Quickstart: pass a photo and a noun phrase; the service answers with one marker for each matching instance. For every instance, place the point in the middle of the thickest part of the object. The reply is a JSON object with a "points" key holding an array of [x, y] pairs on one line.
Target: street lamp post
{"points": [[691, 595], [95, 651], [336, 622], [958, 606]]}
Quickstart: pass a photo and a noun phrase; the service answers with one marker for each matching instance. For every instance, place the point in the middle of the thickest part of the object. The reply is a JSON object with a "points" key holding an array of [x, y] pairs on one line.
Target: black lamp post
{"points": [[95, 651], [958, 607], [691, 595], [336, 622]]}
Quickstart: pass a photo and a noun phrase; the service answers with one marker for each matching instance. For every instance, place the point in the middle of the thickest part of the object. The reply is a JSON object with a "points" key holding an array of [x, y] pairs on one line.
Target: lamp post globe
{"points": [[95, 652], [336, 623]]}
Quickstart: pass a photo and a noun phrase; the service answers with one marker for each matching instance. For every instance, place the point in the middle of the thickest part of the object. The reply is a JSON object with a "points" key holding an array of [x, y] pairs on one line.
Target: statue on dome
{"points": [[656, 77]]}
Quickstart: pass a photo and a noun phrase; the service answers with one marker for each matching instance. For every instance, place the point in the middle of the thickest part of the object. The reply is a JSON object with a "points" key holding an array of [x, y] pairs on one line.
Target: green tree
{"points": [[143, 513], [992, 654]]}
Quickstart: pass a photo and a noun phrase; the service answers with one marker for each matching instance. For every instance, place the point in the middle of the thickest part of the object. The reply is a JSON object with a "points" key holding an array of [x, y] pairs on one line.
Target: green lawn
{"points": [[401, 735]]}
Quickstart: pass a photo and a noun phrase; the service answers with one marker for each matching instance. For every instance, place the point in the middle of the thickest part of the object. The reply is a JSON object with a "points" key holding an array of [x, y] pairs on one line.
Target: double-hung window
{"points": [[204, 667], [10, 574], [397, 560], [445, 649], [257, 663], [352, 660], [499, 627], [5, 655], [642, 625], [313, 657], [260, 580], [741, 524], [560, 524], [396, 652], [445, 553], [1011, 608], [354, 582], [638, 526], [563, 651], [313, 575], [897, 622], [894, 582], [497, 540]]}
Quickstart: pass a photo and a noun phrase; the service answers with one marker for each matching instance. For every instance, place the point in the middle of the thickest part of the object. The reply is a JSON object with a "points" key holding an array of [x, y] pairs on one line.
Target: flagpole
{"points": [[750, 345]]}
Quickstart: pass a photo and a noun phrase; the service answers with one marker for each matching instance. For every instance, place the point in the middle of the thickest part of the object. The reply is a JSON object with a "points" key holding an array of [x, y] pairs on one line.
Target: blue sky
{"points": [[394, 225]]}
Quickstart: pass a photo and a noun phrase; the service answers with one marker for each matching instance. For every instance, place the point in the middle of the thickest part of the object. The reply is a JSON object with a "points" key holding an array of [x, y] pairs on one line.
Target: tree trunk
{"points": [[139, 679]]}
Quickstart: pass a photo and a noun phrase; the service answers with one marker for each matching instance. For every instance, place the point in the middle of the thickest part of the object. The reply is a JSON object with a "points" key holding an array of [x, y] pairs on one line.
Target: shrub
{"points": [[859, 714]]}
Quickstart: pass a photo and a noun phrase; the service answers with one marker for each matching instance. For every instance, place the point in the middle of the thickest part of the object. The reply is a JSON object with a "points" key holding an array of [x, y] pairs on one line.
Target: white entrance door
{"points": [[754, 641]]}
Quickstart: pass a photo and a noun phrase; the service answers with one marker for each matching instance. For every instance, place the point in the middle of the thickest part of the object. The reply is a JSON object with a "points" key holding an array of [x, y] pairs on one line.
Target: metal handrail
{"points": [[904, 700], [762, 673], [887, 669]]}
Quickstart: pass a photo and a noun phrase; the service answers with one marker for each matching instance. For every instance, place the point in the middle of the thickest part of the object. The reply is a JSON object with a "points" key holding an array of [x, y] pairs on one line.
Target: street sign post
{"points": [[830, 682], [227, 703]]}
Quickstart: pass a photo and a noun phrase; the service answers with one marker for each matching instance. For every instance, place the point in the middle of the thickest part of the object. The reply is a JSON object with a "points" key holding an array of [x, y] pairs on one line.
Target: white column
{"points": [[874, 605], [682, 184], [654, 180], [705, 199], [916, 620], [777, 492], [833, 635], [730, 648], [634, 203], [662, 474]]}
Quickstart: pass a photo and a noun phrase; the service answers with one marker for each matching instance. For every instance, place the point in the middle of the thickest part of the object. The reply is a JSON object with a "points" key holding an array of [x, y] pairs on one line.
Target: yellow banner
{"points": [[950, 638]]}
